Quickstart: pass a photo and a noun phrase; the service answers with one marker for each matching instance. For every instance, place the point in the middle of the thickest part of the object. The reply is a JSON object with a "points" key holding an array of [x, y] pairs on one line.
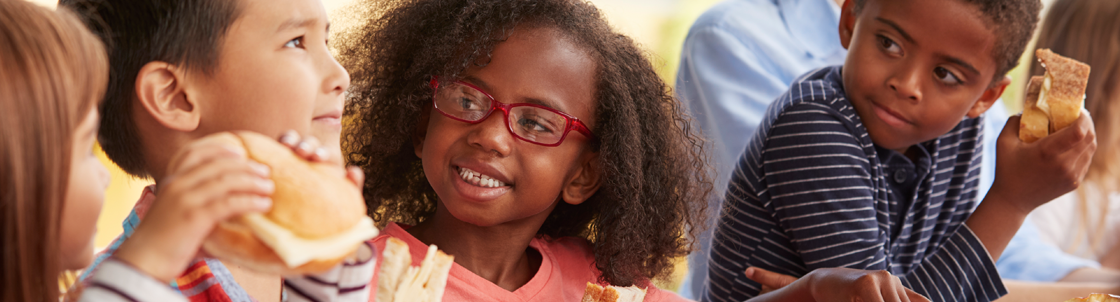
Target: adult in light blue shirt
{"points": [[742, 54]]}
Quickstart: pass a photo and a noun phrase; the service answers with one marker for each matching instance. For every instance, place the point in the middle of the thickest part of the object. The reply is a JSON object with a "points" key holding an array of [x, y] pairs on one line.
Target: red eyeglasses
{"points": [[529, 122]]}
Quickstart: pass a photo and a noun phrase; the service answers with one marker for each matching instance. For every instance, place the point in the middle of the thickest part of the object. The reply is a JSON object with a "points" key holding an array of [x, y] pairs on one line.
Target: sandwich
{"points": [[317, 219], [596, 293], [399, 281], [1059, 98], [1097, 298]]}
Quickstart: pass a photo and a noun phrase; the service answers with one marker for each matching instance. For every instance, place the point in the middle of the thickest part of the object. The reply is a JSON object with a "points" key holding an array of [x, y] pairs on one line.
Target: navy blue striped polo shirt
{"points": [[813, 191]]}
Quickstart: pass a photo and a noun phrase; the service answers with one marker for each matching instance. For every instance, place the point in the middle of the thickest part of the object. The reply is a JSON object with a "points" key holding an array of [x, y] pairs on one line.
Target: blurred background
{"points": [[660, 26]]}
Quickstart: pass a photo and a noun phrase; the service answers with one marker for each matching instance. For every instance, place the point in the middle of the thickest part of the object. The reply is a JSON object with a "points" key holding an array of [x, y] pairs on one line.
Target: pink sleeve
{"points": [[654, 294]]}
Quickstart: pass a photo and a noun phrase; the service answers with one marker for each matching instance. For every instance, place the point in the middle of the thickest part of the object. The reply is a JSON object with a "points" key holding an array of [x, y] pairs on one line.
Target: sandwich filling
{"points": [[1042, 102], [296, 251]]}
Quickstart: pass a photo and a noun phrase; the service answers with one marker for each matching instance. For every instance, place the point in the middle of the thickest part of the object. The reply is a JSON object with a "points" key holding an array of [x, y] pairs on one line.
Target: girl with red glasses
{"points": [[527, 139]]}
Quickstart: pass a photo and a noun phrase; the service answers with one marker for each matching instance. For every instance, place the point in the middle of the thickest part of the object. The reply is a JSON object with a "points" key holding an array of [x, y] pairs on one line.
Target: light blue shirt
{"points": [[742, 54]]}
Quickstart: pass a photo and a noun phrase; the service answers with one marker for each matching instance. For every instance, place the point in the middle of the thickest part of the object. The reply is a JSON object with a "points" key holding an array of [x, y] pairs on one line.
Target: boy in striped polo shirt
{"points": [[873, 166]]}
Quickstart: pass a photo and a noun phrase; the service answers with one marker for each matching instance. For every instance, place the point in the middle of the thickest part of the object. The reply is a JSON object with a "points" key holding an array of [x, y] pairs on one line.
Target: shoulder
{"points": [[742, 20], [814, 101]]}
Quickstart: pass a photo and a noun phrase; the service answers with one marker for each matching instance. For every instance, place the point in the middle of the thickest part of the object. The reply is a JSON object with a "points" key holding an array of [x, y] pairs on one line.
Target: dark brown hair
{"points": [[655, 183], [1012, 22], [187, 33], [52, 72], [1089, 31]]}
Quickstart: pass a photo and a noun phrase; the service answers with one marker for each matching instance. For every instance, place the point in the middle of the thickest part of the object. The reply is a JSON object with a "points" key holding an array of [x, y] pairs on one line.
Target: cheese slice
{"points": [[1043, 103], [296, 251]]}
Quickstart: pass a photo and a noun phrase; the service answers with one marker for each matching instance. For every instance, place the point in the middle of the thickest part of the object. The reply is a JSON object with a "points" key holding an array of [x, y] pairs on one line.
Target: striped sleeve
{"points": [[821, 191], [960, 270], [114, 280], [348, 281]]}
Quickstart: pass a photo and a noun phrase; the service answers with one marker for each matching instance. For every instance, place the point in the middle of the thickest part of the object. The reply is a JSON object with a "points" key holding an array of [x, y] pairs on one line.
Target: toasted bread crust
{"points": [[592, 293], [1068, 80], [1034, 124]]}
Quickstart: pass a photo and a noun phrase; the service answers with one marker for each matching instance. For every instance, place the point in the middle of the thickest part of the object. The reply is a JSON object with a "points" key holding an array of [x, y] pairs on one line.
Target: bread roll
{"points": [[318, 217]]}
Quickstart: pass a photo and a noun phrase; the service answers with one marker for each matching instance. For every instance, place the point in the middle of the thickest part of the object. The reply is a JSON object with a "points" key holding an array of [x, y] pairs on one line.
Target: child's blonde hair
{"points": [[52, 72], [1089, 31]]}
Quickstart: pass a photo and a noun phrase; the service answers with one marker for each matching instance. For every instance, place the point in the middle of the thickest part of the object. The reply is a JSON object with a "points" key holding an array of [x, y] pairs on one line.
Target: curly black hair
{"points": [[1012, 21], [655, 184]]}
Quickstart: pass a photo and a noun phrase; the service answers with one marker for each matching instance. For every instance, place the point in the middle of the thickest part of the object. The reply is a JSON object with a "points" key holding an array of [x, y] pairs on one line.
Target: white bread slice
{"points": [[395, 261], [399, 281], [596, 293]]}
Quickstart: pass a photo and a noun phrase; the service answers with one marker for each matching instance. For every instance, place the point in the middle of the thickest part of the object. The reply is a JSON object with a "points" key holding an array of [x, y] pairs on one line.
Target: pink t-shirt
{"points": [[566, 267]]}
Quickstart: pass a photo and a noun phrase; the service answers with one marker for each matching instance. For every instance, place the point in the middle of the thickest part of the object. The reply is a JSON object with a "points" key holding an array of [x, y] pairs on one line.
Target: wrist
{"points": [[1007, 203], [142, 258]]}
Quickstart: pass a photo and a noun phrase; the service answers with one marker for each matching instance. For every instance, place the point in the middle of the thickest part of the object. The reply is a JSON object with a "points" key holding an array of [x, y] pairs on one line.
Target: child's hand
{"points": [[211, 184], [309, 149], [1031, 174], [844, 284]]}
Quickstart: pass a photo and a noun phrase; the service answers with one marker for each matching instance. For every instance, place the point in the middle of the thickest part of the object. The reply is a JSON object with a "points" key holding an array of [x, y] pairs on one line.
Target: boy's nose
{"points": [[906, 85], [492, 134], [337, 79]]}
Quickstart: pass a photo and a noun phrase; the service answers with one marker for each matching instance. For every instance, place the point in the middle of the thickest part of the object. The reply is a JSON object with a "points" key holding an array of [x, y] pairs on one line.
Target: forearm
{"points": [[994, 222], [1056, 291], [1098, 275], [1111, 260]]}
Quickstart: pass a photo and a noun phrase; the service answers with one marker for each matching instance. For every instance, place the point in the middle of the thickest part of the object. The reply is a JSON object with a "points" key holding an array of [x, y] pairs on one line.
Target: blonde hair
{"points": [[52, 72], [1089, 31]]}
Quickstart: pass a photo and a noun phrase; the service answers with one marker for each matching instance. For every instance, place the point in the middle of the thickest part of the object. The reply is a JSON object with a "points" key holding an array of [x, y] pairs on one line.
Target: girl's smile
{"points": [[480, 187]]}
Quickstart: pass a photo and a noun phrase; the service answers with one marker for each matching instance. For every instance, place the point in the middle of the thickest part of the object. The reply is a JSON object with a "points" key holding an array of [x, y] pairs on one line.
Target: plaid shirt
{"points": [[204, 280]]}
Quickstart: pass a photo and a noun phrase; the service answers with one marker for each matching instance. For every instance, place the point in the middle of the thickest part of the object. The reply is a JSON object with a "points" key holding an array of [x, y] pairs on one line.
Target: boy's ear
{"points": [[989, 98], [847, 23], [421, 130], [585, 181], [160, 89]]}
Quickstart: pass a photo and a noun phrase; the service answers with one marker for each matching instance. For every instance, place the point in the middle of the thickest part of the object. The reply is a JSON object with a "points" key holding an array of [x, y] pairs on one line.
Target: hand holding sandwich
{"points": [[210, 183], [1031, 174]]}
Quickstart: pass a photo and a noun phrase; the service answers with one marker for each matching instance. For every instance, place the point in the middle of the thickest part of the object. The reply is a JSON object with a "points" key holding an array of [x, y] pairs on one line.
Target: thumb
{"points": [[769, 279], [1011, 128]]}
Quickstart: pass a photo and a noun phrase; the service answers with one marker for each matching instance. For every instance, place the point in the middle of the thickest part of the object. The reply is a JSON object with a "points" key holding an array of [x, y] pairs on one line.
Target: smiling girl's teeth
{"points": [[475, 178]]}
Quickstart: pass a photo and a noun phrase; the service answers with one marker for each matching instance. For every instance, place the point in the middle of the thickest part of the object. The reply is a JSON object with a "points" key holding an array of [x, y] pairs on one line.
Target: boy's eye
{"points": [[297, 42], [889, 45], [946, 76]]}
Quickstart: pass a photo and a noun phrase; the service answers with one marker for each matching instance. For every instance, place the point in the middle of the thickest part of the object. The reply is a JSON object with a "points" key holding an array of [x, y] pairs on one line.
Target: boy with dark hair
{"points": [[873, 165], [183, 69]]}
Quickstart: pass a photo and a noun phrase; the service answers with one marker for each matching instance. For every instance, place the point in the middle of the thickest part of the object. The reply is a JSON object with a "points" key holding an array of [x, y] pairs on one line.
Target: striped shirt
{"points": [[813, 191]]}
